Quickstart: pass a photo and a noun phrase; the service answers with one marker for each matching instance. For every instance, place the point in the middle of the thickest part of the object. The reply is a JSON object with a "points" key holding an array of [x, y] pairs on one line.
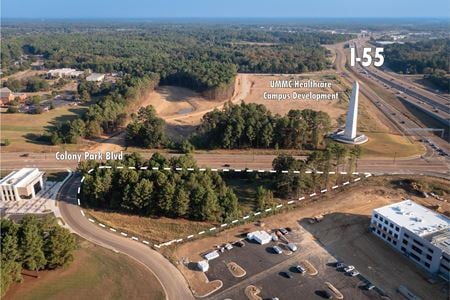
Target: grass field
{"points": [[390, 145], [156, 230], [23, 129], [95, 273]]}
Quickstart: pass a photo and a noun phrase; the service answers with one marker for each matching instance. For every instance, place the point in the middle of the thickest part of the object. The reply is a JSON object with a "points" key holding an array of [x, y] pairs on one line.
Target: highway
{"points": [[172, 281], [398, 119], [433, 103]]}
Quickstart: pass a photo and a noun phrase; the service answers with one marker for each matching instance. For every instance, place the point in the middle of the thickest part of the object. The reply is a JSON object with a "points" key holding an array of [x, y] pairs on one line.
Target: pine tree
{"points": [[10, 267], [58, 247], [31, 244]]}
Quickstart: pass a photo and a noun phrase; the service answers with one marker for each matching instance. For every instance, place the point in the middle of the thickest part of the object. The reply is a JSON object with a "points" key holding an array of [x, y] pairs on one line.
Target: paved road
{"points": [[430, 162], [170, 278]]}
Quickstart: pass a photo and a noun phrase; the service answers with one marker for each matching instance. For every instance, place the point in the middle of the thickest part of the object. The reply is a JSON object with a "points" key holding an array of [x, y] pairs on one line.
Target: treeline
{"points": [[296, 182], [253, 126], [109, 113], [31, 84], [424, 57], [33, 244], [192, 195], [201, 57]]}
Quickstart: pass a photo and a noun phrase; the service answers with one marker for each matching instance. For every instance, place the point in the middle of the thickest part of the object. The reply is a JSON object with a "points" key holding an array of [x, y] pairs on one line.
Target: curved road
{"points": [[173, 283]]}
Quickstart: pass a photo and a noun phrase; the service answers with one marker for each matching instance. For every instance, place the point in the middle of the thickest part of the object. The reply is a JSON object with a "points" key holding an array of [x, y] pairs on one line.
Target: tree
{"points": [[10, 255], [264, 198], [187, 147], [31, 244], [58, 248], [181, 202]]}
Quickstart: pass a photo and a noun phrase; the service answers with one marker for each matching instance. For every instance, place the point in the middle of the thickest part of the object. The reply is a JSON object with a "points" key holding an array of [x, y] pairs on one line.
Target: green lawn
{"points": [[22, 129], [96, 273]]}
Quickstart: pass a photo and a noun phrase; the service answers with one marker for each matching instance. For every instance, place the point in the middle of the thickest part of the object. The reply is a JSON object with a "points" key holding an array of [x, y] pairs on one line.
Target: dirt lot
{"points": [[343, 230]]}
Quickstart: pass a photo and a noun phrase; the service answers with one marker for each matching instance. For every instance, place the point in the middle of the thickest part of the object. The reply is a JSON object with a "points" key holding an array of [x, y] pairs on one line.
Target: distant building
{"points": [[6, 96], [96, 77], [64, 72], [37, 65], [416, 231], [22, 184]]}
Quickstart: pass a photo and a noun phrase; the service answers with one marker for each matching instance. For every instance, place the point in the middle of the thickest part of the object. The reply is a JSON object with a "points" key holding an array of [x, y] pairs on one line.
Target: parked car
{"points": [[286, 274], [228, 246], [325, 294], [349, 268], [340, 265], [292, 247], [300, 269], [274, 237], [240, 244], [277, 250], [369, 287], [353, 273], [284, 231]]}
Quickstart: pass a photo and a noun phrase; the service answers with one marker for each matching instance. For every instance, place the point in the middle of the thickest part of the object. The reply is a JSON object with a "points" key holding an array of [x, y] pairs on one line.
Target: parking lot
{"points": [[276, 275]]}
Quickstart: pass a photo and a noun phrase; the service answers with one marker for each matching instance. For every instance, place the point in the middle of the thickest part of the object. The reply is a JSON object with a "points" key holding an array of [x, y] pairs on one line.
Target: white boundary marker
{"points": [[214, 229]]}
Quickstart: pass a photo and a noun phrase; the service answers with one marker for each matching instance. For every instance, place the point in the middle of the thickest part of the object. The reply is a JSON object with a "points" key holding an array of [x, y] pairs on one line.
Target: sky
{"points": [[224, 8]]}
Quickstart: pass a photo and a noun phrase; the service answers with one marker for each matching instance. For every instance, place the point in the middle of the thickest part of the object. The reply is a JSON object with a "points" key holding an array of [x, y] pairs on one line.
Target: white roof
{"points": [[22, 177], [212, 255], [95, 77], [260, 236], [414, 217]]}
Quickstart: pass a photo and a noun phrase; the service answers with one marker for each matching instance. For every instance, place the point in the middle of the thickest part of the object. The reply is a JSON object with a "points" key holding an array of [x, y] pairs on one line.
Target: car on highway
{"points": [[340, 265], [276, 250], [349, 268]]}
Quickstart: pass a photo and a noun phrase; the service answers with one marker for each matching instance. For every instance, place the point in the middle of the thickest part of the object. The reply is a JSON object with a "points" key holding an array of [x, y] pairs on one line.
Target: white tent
{"points": [[261, 237], [203, 265]]}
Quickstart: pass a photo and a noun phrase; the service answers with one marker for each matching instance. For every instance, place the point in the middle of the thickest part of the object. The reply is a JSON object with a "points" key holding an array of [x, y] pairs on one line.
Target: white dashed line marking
{"points": [[91, 220], [201, 232], [190, 236], [313, 194], [345, 183], [301, 198], [134, 238], [234, 221], [334, 187], [124, 234], [82, 213], [290, 202], [112, 229], [101, 225], [145, 242]]}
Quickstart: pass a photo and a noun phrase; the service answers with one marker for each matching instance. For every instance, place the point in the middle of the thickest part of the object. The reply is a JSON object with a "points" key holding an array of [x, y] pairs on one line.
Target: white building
{"points": [[64, 72], [22, 184], [261, 237], [418, 232], [95, 77]]}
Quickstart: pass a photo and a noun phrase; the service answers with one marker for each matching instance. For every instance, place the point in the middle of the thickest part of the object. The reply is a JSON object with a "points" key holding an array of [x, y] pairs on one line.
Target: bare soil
{"points": [[343, 233]]}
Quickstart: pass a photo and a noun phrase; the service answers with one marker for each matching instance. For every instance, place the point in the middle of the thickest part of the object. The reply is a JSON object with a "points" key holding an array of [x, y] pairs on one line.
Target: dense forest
{"points": [[202, 57], [253, 126], [192, 195], [428, 57], [108, 114], [33, 244], [205, 195], [424, 57]]}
